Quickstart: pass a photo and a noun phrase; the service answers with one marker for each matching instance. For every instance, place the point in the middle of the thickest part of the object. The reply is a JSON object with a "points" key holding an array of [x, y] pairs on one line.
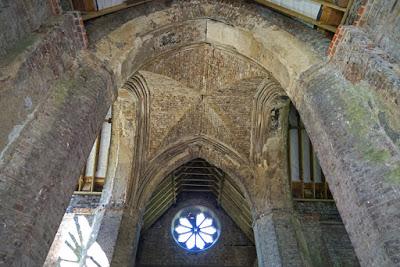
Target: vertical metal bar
{"points": [[221, 185], [95, 163], [300, 152], [325, 185], [288, 152], [104, 147], [312, 166], [81, 179], [173, 186], [80, 182], [91, 165]]}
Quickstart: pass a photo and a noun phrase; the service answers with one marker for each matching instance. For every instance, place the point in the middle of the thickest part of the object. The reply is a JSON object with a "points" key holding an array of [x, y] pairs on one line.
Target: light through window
{"points": [[195, 228]]}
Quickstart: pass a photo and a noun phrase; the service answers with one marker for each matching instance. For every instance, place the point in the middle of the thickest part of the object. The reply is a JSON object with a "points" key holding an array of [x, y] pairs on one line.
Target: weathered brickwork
{"points": [[337, 38], [364, 155], [326, 238], [79, 29], [79, 203], [49, 193], [43, 81], [18, 19], [361, 11], [201, 79], [353, 12], [219, 81], [381, 21], [367, 55], [55, 7], [33, 72]]}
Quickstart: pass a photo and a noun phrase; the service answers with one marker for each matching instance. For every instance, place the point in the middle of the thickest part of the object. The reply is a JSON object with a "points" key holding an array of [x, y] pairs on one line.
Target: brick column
{"points": [[39, 172], [266, 242], [55, 7], [361, 163], [128, 239]]}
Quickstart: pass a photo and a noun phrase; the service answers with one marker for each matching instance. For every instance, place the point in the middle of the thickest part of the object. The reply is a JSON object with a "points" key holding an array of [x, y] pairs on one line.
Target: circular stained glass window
{"points": [[195, 228]]}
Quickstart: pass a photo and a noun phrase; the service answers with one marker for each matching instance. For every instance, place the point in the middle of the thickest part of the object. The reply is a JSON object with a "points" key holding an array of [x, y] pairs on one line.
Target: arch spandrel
{"points": [[253, 34]]}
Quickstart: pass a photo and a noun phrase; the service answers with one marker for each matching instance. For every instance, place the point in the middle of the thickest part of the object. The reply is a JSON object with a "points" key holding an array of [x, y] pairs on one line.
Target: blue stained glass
{"points": [[195, 228]]}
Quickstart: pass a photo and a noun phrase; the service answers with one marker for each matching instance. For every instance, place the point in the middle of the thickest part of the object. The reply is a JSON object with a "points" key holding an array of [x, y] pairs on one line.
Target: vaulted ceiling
{"points": [[202, 90]]}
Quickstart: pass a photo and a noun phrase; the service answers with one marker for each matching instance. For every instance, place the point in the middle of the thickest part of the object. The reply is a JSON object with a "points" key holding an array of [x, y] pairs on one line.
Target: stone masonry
{"points": [[205, 79]]}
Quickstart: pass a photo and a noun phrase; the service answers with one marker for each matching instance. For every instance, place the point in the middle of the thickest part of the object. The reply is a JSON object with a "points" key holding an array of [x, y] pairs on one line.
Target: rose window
{"points": [[195, 228]]}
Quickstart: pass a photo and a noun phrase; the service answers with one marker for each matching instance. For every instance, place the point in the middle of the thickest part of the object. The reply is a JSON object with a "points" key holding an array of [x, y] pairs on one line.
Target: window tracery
{"points": [[195, 228]]}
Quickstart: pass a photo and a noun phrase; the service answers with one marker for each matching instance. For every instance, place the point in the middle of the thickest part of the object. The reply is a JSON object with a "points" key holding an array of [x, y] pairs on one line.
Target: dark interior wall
{"points": [[327, 241], [18, 18], [157, 247]]}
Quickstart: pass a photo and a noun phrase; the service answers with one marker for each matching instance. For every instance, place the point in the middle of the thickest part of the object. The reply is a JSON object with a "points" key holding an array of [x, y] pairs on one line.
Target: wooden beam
{"points": [[221, 187], [174, 185], [347, 12], [84, 5], [240, 202], [329, 4], [87, 193], [161, 190], [148, 222], [297, 15], [197, 173], [198, 167], [244, 225], [160, 196], [156, 206], [113, 9], [198, 185], [313, 200], [198, 180], [197, 190]]}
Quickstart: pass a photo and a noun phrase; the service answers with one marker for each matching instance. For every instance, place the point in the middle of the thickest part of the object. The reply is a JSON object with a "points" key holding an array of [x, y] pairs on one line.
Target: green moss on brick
{"points": [[394, 176], [376, 155], [19, 48], [61, 90], [362, 108]]}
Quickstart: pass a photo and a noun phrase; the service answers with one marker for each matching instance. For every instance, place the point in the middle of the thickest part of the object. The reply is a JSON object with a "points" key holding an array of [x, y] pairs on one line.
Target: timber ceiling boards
{"points": [[200, 176], [324, 14]]}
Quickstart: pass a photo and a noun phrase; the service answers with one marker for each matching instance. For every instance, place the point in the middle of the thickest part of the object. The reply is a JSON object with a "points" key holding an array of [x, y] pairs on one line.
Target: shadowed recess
{"points": [[200, 176]]}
